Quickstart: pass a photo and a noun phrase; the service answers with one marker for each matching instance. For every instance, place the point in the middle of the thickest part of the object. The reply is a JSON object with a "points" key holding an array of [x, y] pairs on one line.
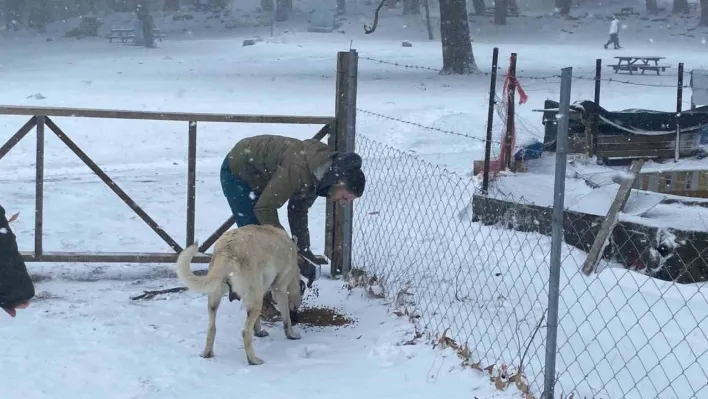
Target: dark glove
{"points": [[316, 259]]}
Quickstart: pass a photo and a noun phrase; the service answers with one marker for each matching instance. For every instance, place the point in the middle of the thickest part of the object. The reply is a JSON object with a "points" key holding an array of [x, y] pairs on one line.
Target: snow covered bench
{"points": [[128, 34]]}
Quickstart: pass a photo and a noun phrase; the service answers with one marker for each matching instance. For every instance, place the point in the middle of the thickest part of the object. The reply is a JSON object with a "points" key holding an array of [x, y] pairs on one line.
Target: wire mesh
{"points": [[484, 286], [476, 268], [637, 328]]}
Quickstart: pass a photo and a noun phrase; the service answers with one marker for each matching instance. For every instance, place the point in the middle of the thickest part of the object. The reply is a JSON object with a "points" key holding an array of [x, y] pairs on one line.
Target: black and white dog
{"points": [[16, 288]]}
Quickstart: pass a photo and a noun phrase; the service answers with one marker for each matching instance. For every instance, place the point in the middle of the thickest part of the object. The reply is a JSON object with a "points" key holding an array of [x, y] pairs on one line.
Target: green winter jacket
{"points": [[282, 169]]}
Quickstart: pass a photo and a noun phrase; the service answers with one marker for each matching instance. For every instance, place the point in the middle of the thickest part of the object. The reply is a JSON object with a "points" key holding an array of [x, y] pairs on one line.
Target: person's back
{"points": [[256, 159], [614, 26]]}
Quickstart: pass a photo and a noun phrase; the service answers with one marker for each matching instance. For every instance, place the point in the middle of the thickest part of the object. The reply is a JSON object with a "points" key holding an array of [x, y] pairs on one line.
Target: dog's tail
{"points": [[206, 284]]}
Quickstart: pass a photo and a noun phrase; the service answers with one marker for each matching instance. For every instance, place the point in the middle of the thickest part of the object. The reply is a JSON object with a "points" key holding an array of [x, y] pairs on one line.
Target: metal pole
{"points": [[490, 120], [510, 112], [557, 234], [598, 80], [679, 100]]}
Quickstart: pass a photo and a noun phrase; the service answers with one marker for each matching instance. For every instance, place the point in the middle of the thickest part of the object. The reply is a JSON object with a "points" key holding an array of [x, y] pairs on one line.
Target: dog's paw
{"points": [[256, 361], [207, 354], [261, 334], [293, 334]]}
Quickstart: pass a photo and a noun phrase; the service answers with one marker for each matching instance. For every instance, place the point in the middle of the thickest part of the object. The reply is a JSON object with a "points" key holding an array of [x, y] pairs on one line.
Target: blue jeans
{"points": [[242, 199]]}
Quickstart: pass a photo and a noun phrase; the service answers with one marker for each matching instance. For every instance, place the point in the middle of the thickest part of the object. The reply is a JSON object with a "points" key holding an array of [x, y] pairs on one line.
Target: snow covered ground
{"points": [[487, 285]]}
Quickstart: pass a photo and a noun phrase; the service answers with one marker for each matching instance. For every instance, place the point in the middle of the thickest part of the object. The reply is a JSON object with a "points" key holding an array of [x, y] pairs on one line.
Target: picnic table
{"points": [[128, 34], [632, 64]]}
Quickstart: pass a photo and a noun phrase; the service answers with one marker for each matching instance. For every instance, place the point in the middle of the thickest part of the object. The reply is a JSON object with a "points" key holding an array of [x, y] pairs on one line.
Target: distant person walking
{"points": [[614, 33]]}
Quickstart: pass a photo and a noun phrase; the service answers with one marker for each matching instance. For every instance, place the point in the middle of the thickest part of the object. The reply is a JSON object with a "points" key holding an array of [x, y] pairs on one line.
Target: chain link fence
{"points": [[472, 271], [482, 280], [482, 286]]}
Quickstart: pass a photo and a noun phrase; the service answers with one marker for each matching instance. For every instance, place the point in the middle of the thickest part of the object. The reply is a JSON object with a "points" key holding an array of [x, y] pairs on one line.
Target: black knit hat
{"points": [[345, 168], [355, 181]]}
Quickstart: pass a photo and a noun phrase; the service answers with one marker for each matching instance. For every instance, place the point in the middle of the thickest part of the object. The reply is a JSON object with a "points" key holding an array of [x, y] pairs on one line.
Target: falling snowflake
{"points": [[703, 41], [3, 230], [651, 40], [252, 196]]}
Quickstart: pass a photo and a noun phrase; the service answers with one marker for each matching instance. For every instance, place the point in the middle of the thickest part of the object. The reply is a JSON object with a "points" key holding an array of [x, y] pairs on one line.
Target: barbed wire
{"points": [[398, 64], [555, 77], [450, 132]]}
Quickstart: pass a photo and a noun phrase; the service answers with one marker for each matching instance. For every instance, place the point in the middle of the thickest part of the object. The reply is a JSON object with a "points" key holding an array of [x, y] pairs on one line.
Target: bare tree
{"points": [[652, 7], [411, 7], [479, 7], [283, 10], [704, 13], [500, 11], [458, 57], [171, 5], [341, 7], [564, 7], [147, 22], [680, 7], [267, 5]]}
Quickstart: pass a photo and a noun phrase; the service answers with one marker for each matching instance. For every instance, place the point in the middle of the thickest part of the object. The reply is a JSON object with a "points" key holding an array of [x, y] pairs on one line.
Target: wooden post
{"points": [[679, 101], [191, 182], [510, 112], [490, 120], [339, 219], [608, 225], [39, 188]]}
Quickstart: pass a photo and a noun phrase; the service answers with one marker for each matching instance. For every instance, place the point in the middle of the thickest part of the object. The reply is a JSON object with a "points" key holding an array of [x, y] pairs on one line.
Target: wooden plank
{"points": [[109, 257], [637, 154], [12, 141], [634, 139], [603, 235], [638, 146], [163, 116]]}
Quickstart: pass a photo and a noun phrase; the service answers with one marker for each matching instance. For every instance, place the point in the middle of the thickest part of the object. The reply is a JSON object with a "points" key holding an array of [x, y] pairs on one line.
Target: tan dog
{"points": [[248, 262]]}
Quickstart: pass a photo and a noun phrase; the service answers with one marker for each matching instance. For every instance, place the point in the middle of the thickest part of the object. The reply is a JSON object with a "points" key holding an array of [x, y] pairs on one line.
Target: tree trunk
{"points": [[143, 14], [564, 7], [704, 13], [13, 14], [267, 5], [680, 6], [458, 58], [500, 7], [479, 7], [428, 25], [411, 7], [283, 10], [652, 7], [171, 5], [341, 7]]}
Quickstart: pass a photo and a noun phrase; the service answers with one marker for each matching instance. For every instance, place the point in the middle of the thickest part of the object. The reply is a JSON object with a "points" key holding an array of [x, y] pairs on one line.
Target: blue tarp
{"points": [[529, 151]]}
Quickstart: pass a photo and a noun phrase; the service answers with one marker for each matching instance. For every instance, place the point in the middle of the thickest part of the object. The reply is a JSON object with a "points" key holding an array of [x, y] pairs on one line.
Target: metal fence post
{"points": [[679, 101], [490, 120], [557, 233], [339, 218], [510, 128]]}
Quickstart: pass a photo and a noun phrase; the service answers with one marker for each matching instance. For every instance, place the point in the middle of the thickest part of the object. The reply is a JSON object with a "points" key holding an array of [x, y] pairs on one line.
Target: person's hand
{"points": [[12, 311]]}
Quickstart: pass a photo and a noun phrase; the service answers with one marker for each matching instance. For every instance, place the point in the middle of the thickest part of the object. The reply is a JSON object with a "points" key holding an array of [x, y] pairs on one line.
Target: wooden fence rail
{"points": [[40, 117]]}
